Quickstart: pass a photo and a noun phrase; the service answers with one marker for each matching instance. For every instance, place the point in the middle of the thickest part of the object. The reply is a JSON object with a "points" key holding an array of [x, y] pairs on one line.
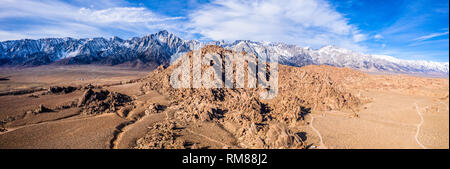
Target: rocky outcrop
{"points": [[254, 122], [63, 89], [102, 101], [41, 109], [161, 136], [154, 108]]}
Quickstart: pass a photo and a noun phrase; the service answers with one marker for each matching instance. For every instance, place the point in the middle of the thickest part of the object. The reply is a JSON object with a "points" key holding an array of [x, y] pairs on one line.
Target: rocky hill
{"points": [[256, 123]]}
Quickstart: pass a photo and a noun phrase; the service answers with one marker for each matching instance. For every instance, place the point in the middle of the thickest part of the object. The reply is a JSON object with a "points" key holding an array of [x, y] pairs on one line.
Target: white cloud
{"points": [[433, 35], [309, 22], [358, 37], [122, 14], [378, 36], [51, 18], [73, 30], [7, 35], [429, 42]]}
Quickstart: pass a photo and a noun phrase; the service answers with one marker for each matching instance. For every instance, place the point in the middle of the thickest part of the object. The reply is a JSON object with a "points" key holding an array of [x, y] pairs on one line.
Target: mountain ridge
{"points": [[158, 49]]}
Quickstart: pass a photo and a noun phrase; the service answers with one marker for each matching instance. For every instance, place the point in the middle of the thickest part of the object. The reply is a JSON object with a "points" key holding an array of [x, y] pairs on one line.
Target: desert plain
{"points": [[318, 107]]}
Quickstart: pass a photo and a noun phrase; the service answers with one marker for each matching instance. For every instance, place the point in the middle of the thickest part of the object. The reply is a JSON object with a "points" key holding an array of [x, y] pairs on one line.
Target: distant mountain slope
{"points": [[156, 48], [159, 47], [334, 56]]}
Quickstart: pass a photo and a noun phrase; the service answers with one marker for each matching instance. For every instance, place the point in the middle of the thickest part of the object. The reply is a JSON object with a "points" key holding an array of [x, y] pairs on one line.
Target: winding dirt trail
{"points": [[418, 127], [62, 119], [209, 138], [322, 145], [199, 134]]}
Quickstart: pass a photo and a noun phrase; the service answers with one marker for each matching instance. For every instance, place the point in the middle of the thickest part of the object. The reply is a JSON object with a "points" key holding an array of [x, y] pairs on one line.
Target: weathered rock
{"points": [[161, 136], [123, 112], [256, 123], [278, 136], [103, 101], [58, 89], [154, 108], [41, 109], [86, 95]]}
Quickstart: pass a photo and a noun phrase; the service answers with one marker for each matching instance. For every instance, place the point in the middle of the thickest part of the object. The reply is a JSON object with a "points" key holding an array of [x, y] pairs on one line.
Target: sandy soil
{"points": [[391, 120], [95, 132], [45, 76]]}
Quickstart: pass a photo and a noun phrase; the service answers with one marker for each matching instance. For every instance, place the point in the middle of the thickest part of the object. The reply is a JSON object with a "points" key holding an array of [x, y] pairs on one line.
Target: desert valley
{"points": [[317, 107]]}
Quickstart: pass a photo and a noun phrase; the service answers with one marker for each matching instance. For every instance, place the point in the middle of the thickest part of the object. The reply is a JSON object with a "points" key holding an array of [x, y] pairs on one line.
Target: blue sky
{"points": [[409, 29]]}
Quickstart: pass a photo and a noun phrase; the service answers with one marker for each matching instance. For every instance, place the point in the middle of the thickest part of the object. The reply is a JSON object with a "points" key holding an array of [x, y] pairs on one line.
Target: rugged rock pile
{"points": [[255, 123], [59, 89], [102, 101], [315, 90], [2, 126], [154, 108], [347, 77], [40, 109], [161, 136]]}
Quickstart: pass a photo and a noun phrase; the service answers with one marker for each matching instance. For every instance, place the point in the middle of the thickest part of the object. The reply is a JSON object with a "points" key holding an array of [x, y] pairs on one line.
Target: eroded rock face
{"points": [[254, 122], [279, 136], [2, 126], [154, 108], [123, 112], [41, 109], [160, 136], [86, 95], [59, 89], [102, 101]]}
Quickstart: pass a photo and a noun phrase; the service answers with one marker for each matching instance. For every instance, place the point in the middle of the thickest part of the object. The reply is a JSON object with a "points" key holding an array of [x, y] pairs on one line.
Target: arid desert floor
{"points": [[112, 107]]}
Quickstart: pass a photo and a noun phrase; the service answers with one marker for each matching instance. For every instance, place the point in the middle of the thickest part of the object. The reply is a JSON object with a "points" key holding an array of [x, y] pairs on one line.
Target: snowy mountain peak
{"points": [[163, 33], [159, 47]]}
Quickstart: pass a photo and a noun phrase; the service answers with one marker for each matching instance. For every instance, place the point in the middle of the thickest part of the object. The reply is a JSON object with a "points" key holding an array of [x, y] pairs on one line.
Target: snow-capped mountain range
{"points": [[159, 47]]}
